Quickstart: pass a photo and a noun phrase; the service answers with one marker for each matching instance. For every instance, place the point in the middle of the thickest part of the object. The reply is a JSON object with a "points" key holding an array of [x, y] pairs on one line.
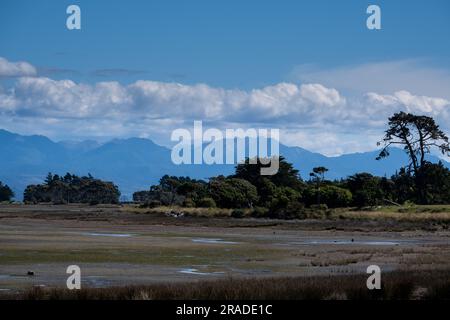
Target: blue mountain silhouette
{"points": [[135, 163]]}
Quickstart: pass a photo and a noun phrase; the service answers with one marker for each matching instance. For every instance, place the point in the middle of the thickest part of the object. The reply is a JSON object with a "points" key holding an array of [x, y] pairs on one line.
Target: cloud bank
{"points": [[412, 75], [310, 115]]}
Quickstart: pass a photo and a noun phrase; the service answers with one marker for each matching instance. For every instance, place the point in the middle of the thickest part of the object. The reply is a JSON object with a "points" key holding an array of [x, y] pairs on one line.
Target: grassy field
{"points": [[131, 252]]}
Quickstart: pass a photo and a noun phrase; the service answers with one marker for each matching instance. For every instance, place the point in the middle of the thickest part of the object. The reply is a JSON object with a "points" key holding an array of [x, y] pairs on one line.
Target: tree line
{"points": [[284, 194], [72, 189]]}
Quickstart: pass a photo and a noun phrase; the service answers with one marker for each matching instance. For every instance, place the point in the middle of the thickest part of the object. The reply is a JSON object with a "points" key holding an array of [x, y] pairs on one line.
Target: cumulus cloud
{"points": [[410, 102], [65, 98], [16, 69], [7, 101], [311, 115]]}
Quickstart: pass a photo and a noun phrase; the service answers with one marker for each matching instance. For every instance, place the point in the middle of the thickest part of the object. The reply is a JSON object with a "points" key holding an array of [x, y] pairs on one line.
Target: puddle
{"points": [[197, 272], [116, 235], [209, 241]]}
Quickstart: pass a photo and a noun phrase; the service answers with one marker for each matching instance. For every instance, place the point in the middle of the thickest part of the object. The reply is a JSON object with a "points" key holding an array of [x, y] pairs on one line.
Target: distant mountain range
{"points": [[135, 163]]}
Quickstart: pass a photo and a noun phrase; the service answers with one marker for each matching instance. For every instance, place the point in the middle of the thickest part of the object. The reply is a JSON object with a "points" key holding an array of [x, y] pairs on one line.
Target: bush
{"points": [[237, 213], [151, 204], [233, 193], [260, 212], [206, 203], [319, 207], [329, 195], [366, 189], [188, 203], [293, 210]]}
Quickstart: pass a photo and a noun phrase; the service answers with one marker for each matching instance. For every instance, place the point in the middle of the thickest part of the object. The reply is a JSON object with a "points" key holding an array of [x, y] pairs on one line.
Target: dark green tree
{"points": [[49, 179], [233, 192], [404, 186], [331, 195], [286, 176], [6, 194], [318, 176], [436, 183], [365, 188], [417, 135], [77, 190]]}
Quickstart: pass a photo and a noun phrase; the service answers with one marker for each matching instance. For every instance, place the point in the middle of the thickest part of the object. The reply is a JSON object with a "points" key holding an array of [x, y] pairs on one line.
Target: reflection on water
{"points": [[118, 235], [197, 272], [207, 240]]}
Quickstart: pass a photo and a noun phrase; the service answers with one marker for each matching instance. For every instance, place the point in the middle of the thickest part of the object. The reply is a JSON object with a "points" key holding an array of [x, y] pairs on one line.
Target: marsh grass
{"points": [[396, 286], [443, 217], [415, 213], [188, 212]]}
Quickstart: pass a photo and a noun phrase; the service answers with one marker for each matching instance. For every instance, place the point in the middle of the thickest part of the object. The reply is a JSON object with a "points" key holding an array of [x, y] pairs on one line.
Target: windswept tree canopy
{"points": [[417, 135]]}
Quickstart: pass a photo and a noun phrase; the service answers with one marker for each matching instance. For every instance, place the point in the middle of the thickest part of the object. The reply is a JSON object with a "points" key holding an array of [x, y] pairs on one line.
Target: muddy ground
{"points": [[115, 246]]}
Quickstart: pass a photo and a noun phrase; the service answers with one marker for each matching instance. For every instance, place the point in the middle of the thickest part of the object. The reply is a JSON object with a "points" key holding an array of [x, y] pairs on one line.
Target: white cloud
{"points": [[65, 98], [311, 115], [7, 101], [320, 95], [411, 103], [387, 76], [16, 69]]}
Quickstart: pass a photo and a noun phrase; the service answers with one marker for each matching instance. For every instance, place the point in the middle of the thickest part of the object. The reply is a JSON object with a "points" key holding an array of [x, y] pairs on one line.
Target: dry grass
{"points": [[414, 213], [404, 216], [188, 212], [395, 286], [344, 261]]}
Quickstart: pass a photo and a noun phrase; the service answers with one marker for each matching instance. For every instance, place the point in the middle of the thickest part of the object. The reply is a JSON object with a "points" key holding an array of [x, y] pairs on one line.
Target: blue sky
{"points": [[230, 43], [239, 46]]}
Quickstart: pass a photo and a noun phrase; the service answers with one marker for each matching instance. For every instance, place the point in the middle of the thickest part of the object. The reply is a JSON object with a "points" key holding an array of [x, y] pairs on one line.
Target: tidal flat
{"points": [[119, 246]]}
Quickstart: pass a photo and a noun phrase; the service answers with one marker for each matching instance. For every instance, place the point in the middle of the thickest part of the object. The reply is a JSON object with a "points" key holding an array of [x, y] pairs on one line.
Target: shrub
{"points": [[330, 195], [260, 212], [151, 204], [188, 203], [366, 189], [233, 193], [293, 210], [319, 207], [237, 213], [206, 203]]}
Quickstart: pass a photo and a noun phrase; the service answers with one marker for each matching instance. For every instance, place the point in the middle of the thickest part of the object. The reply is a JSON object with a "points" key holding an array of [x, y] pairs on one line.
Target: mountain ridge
{"points": [[136, 163]]}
